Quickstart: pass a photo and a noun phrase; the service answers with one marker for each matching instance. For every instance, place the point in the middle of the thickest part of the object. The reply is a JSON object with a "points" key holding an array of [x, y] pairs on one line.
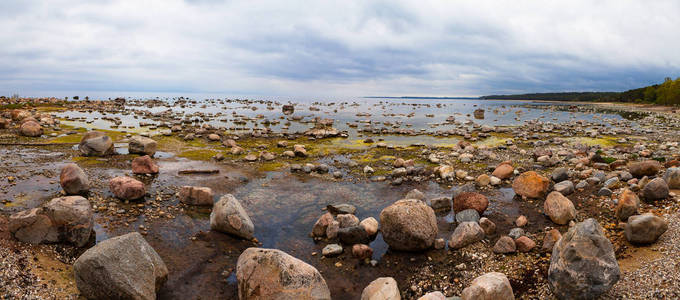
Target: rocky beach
{"points": [[369, 198]]}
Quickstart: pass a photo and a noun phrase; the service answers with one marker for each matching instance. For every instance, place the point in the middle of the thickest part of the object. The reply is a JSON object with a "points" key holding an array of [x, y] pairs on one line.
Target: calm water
{"points": [[421, 115]]}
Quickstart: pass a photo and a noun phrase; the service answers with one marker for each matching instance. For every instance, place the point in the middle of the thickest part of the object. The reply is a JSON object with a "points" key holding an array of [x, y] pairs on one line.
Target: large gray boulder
{"points": [[583, 264], [228, 216], [62, 220], [73, 180], [273, 274], [408, 225], [645, 228], [122, 267], [96, 143], [142, 145], [490, 286]]}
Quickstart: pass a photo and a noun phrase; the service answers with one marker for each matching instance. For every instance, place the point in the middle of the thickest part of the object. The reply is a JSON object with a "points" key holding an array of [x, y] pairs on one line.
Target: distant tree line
{"points": [[666, 93]]}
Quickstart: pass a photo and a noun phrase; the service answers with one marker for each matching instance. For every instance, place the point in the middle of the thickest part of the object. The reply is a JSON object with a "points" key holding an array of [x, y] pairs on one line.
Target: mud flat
{"points": [[297, 169]]}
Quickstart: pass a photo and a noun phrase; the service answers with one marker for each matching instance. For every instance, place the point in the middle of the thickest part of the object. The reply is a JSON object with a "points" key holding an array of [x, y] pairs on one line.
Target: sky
{"points": [[335, 48]]}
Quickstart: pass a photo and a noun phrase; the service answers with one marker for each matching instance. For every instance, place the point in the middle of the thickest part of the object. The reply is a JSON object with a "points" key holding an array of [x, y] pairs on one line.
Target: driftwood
{"points": [[213, 171]]}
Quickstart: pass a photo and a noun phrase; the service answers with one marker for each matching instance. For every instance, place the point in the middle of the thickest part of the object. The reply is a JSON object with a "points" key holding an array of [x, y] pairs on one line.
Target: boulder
{"points": [[441, 203], [560, 174], [530, 185], [4, 123], [644, 168], [505, 245], [95, 143], [343, 208], [503, 171], [627, 205], [142, 145], [73, 180], [362, 251], [273, 274], [470, 200], [65, 219], [466, 233], [655, 189], [31, 128], [408, 225], [433, 296], [319, 229], [672, 178], [347, 220], [559, 208], [551, 237], [489, 286], [468, 215], [288, 109], [353, 235], [370, 224], [645, 228], [144, 165], [415, 194], [565, 187], [524, 244], [332, 229], [331, 250], [127, 188], [300, 150], [122, 267], [228, 216], [383, 288], [196, 195], [488, 226], [583, 264]]}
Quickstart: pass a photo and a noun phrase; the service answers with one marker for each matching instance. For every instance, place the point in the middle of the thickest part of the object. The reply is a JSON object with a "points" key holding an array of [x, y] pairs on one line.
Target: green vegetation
{"points": [[666, 93]]}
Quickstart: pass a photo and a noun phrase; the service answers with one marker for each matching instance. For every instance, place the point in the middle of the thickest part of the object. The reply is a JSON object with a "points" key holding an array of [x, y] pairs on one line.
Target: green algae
{"points": [[199, 154]]}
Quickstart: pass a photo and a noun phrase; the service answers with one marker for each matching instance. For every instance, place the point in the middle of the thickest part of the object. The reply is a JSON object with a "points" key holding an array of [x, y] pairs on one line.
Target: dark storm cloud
{"points": [[336, 48]]}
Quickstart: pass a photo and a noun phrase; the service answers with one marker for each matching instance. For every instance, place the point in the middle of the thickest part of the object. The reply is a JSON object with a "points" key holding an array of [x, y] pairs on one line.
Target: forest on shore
{"points": [[666, 93]]}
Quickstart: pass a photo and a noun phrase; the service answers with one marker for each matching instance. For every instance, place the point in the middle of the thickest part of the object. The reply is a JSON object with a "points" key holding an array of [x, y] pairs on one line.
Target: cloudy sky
{"points": [[338, 48]]}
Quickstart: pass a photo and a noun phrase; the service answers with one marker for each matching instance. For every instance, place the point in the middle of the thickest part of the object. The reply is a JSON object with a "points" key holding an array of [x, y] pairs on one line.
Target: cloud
{"points": [[324, 48]]}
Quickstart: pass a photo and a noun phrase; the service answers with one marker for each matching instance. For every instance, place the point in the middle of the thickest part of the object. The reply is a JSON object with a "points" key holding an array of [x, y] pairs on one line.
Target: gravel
{"points": [[658, 274]]}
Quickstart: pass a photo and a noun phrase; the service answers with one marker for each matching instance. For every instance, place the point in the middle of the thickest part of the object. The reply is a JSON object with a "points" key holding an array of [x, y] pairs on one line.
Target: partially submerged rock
{"points": [[142, 145], [95, 143], [144, 165], [73, 180], [196, 195], [65, 219], [228, 216], [127, 188], [408, 225]]}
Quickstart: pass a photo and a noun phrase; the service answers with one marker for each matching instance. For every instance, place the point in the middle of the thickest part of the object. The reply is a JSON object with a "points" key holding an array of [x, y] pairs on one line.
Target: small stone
{"points": [[331, 250]]}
